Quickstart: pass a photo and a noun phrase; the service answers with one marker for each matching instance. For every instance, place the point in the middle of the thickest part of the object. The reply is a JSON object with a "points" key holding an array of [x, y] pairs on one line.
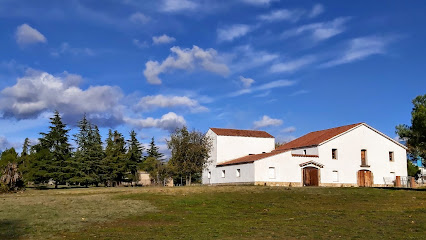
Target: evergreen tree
{"points": [[134, 156], [85, 158], [26, 147], [153, 151], [115, 159], [56, 142]]}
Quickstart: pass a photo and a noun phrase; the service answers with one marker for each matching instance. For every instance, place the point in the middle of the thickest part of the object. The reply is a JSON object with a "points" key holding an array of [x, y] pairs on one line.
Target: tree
{"points": [[412, 170], [88, 155], [8, 156], [57, 164], [190, 152], [153, 163], [134, 156], [153, 151], [415, 135], [115, 158]]}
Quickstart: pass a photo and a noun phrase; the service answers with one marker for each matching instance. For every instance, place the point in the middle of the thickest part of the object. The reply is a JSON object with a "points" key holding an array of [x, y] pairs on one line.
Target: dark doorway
{"points": [[365, 178], [310, 176]]}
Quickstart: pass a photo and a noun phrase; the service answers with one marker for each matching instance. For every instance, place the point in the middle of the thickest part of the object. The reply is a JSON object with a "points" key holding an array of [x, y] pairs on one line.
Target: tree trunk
{"points": [[190, 179]]}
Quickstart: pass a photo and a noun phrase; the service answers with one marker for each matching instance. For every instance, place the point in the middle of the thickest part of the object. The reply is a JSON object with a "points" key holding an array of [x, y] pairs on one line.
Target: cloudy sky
{"points": [[287, 67]]}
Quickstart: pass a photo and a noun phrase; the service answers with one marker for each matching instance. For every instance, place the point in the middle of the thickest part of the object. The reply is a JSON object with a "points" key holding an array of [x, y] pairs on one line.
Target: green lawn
{"points": [[225, 212]]}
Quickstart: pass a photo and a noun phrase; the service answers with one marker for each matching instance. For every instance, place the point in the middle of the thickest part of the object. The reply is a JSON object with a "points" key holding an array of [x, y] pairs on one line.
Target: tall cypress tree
{"points": [[56, 142]]}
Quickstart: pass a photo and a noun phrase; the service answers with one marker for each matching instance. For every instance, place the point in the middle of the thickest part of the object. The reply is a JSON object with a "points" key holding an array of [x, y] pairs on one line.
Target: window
{"points": [[363, 157], [223, 173], [334, 153], [271, 172], [335, 176], [304, 151], [391, 157], [238, 172], [209, 175]]}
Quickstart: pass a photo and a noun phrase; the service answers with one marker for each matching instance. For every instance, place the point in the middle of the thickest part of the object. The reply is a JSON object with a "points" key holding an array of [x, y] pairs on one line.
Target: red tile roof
{"points": [[241, 133], [316, 138], [249, 158]]}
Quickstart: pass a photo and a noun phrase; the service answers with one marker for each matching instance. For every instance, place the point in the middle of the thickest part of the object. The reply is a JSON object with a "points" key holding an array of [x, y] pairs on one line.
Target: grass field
{"points": [[225, 212]]}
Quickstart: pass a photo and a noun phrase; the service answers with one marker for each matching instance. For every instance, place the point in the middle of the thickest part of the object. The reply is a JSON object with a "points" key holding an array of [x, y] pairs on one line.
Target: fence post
{"points": [[398, 181], [413, 182]]}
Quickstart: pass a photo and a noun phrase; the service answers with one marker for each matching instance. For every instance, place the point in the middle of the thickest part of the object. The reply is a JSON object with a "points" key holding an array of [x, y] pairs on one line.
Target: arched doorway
{"points": [[310, 176], [365, 178]]}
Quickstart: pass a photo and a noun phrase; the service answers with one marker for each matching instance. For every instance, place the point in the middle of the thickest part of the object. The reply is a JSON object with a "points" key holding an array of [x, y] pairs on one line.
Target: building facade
{"points": [[352, 155]]}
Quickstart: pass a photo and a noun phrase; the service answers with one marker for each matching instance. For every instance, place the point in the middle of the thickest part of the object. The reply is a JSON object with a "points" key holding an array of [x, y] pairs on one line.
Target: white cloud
{"points": [[26, 35], [65, 48], [178, 5], [263, 87], [169, 121], [245, 57], [300, 92], [38, 92], [292, 65], [259, 2], [232, 32], [139, 44], [319, 31], [161, 101], [288, 129], [360, 48], [185, 59], [163, 39], [283, 14], [139, 18], [317, 9], [266, 121], [247, 82]]}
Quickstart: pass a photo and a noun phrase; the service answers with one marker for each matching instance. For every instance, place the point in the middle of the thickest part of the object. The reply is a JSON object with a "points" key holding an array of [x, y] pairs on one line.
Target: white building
{"points": [[352, 155]]}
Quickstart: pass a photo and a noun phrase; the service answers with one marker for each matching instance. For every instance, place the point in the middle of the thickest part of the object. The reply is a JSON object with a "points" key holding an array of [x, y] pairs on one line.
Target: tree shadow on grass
{"points": [[405, 189], [12, 229]]}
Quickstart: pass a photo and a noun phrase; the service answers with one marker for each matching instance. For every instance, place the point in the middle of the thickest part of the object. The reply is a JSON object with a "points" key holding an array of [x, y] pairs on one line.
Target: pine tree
{"points": [[153, 151], [154, 164], [134, 156], [115, 159], [58, 165], [89, 154]]}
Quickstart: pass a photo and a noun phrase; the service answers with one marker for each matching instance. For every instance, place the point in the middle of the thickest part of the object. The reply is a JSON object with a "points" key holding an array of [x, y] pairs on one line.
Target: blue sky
{"points": [[287, 67]]}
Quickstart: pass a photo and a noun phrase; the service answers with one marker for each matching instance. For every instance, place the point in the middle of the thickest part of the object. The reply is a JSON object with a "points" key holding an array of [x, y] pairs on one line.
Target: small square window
{"points": [[334, 153], [391, 159], [209, 175], [238, 172], [223, 173], [271, 172]]}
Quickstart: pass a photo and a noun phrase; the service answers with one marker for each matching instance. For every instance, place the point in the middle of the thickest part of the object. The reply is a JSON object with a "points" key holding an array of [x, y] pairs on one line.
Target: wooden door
{"points": [[365, 178], [310, 176]]}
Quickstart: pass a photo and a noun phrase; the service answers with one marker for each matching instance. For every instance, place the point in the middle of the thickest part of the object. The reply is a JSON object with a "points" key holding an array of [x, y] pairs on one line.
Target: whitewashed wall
{"points": [[226, 148], [231, 147], [347, 165], [348, 161], [309, 151]]}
